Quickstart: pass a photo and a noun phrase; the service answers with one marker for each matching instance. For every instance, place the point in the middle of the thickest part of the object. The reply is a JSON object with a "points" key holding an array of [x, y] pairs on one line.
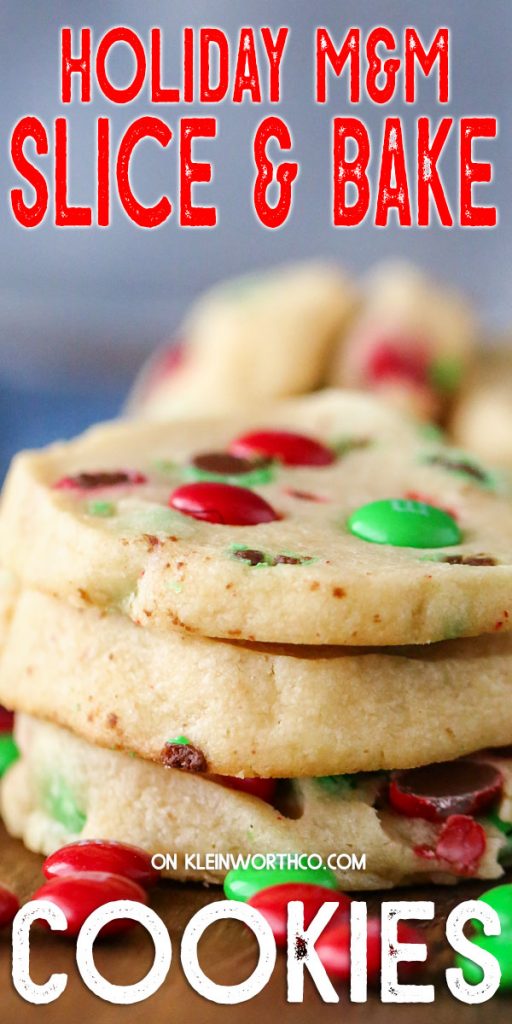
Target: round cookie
{"points": [[62, 789], [90, 521], [483, 417], [247, 341], [412, 341], [255, 710], [8, 592], [100, 520]]}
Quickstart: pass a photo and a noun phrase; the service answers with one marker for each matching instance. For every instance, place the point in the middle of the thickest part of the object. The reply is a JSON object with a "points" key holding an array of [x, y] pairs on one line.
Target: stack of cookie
{"points": [[235, 637]]}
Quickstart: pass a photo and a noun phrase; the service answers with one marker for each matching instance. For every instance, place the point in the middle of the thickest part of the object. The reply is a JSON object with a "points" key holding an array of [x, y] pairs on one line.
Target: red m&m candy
{"points": [[439, 790], [9, 906], [390, 360], [222, 503], [333, 948], [462, 842], [6, 720], [273, 902], [263, 788], [287, 447], [102, 855], [78, 895]]}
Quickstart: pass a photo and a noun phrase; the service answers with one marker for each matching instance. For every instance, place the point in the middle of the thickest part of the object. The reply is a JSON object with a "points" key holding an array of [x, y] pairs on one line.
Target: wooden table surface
{"points": [[227, 954]]}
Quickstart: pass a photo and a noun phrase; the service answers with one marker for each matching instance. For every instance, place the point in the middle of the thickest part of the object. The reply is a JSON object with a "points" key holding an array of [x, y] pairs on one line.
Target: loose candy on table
{"points": [[273, 902], [437, 791], [333, 949], [284, 446], [102, 855], [242, 883], [404, 523], [9, 906], [78, 895], [499, 946], [500, 899], [223, 504], [9, 752]]}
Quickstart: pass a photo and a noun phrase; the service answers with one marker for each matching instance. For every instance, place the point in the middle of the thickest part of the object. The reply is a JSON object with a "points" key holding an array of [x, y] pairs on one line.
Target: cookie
{"points": [[361, 533], [62, 788], [255, 710], [8, 592], [483, 417], [247, 341], [412, 341]]}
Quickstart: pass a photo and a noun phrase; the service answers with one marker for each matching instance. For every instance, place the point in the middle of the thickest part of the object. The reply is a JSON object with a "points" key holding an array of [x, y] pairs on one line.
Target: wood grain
{"points": [[227, 954]]}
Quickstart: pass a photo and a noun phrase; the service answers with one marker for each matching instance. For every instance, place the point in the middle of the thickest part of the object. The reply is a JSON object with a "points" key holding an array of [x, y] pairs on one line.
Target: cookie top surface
{"points": [[384, 537]]}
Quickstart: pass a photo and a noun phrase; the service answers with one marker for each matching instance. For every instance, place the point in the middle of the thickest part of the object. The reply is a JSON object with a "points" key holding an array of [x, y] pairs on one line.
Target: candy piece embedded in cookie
{"points": [[363, 565], [159, 810], [411, 341]]}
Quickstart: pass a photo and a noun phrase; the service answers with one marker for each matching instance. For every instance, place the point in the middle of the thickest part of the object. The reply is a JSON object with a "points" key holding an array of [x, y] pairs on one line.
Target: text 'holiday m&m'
{"points": [[395, 177]]}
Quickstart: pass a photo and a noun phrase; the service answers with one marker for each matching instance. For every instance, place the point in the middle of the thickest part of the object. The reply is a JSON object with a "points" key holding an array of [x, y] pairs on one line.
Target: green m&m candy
{"points": [[500, 899], [8, 752], [505, 827], [404, 523], [61, 804], [241, 883], [500, 946]]}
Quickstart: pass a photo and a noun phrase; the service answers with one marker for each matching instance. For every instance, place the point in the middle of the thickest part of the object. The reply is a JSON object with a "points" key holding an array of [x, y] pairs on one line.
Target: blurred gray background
{"points": [[80, 308]]}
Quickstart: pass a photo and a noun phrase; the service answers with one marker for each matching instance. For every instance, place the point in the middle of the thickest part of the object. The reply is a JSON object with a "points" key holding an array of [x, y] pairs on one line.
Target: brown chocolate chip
{"points": [[225, 464], [151, 540], [460, 466], [183, 756], [469, 560], [89, 481], [254, 557], [251, 555], [304, 495]]}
